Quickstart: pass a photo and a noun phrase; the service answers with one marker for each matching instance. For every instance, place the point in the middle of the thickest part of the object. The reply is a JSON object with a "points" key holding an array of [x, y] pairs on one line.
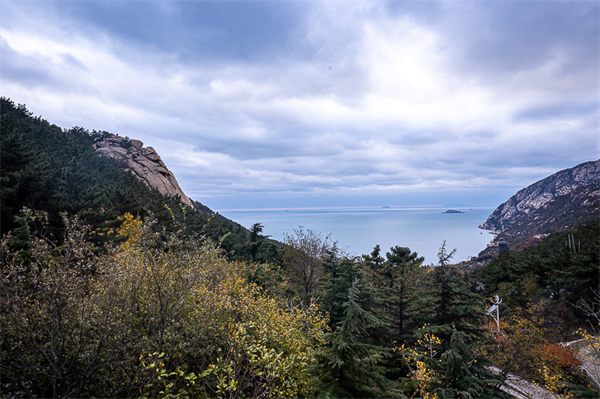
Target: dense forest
{"points": [[109, 289], [47, 168]]}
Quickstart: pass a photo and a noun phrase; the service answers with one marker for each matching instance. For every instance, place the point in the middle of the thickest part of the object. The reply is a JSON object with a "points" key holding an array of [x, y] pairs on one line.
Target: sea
{"points": [[358, 230]]}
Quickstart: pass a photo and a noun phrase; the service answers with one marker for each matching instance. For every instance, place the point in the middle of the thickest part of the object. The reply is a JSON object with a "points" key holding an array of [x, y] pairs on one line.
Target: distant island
{"points": [[114, 309]]}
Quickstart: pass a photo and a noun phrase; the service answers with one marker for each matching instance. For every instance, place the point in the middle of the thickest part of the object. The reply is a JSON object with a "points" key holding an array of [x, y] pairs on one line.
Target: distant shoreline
{"points": [[347, 208], [422, 229]]}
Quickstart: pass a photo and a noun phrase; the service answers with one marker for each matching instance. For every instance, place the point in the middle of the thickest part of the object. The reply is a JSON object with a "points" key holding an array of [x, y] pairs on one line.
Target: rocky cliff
{"points": [[536, 195], [143, 162], [559, 202]]}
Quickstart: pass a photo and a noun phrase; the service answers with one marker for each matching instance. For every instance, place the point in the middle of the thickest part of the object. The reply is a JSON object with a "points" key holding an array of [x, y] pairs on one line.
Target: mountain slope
{"points": [[559, 202], [130, 155], [536, 195], [46, 168]]}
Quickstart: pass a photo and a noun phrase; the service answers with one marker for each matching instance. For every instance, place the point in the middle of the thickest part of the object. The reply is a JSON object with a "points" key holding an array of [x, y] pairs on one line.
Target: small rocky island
{"points": [[452, 211]]}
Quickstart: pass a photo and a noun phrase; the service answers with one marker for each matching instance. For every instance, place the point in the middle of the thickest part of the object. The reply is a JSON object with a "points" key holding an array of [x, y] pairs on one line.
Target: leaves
{"points": [[76, 323]]}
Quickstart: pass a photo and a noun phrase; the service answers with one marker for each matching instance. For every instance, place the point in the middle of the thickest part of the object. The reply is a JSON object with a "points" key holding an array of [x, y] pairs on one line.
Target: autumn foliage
{"points": [[157, 316]]}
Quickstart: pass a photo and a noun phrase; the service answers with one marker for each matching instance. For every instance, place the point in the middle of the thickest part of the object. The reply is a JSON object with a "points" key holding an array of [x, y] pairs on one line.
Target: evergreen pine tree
{"points": [[351, 364], [395, 282], [452, 312], [43, 167]]}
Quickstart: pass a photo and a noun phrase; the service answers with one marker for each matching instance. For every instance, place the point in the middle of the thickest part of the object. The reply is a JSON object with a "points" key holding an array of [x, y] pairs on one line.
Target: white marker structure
{"points": [[496, 307]]}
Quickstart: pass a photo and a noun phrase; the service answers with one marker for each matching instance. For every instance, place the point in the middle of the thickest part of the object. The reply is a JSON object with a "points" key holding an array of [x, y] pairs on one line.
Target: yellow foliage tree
{"points": [[131, 228], [159, 316], [418, 358], [523, 348], [191, 304]]}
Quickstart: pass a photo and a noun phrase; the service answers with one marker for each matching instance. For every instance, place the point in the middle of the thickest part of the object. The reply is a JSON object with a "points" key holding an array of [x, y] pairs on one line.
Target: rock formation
{"points": [[536, 195], [143, 162], [559, 202]]}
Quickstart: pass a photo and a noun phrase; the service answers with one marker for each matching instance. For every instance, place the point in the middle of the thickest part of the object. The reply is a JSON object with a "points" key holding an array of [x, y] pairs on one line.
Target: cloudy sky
{"points": [[256, 104]]}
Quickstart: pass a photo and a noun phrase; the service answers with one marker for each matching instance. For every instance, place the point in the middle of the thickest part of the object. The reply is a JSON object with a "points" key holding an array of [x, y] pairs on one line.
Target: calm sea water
{"points": [[358, 230]]}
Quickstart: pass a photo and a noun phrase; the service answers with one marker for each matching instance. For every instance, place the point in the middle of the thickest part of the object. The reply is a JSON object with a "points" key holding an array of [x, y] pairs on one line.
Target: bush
{"points": [[159, 316]]}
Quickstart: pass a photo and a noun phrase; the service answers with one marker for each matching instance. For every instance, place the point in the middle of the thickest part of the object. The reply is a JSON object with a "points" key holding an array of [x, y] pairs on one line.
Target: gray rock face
{"points": [[540, 193], [143, 162]]}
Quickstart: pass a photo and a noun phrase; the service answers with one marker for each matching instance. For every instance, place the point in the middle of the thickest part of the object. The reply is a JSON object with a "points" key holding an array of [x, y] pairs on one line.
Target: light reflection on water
{"points": [[421, 229]]}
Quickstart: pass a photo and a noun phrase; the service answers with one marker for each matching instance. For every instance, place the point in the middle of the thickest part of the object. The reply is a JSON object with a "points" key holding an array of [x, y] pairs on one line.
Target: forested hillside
{"points": [[44, 167], [110, 289]]}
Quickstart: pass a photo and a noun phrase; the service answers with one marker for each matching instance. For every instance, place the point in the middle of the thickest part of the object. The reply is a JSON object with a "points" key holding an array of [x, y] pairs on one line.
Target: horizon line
{"points": [[312, 208]]}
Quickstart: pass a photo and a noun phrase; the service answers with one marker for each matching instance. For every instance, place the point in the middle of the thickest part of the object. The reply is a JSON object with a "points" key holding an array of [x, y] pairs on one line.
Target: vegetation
{"points": [[109, 289], [46, 168], [550, 296], [155, 313], [563, 267]]}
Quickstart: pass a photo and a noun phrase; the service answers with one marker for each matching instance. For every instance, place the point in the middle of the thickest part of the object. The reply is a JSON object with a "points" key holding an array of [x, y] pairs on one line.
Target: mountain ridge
{"points": [[559, 202], [57, 172], [539, 193]]}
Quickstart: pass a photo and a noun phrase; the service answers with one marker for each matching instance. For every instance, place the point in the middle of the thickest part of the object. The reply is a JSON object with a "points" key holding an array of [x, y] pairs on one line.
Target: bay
{"points": [[357, 231]]}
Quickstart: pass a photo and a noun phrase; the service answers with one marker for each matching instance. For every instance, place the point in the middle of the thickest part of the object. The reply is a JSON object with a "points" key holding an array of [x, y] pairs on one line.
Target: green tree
{"points": [[256, 239], [549, 269], [395, 282], [452, 312], [339, 273], [351, 364], [262, 250], [53, 336]]}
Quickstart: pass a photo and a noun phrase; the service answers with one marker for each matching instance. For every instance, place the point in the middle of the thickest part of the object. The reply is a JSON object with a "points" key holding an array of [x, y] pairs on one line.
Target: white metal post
{"points": [[496, 307]]}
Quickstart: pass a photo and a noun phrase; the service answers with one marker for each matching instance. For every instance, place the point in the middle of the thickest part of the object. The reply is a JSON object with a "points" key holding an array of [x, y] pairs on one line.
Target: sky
{"points": [[283, 104]]}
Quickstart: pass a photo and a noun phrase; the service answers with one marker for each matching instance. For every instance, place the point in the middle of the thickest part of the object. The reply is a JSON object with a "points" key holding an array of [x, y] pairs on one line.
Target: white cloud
{"points": [[361, 101]]}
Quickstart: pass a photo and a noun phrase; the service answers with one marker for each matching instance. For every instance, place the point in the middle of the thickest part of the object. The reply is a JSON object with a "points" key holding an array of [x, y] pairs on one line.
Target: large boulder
{"points": [[143, 162]]}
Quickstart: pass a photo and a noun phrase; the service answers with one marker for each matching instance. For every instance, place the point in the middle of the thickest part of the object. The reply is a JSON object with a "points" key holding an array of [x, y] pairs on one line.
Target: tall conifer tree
{"points": [[452, 312], [351, 364]]}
